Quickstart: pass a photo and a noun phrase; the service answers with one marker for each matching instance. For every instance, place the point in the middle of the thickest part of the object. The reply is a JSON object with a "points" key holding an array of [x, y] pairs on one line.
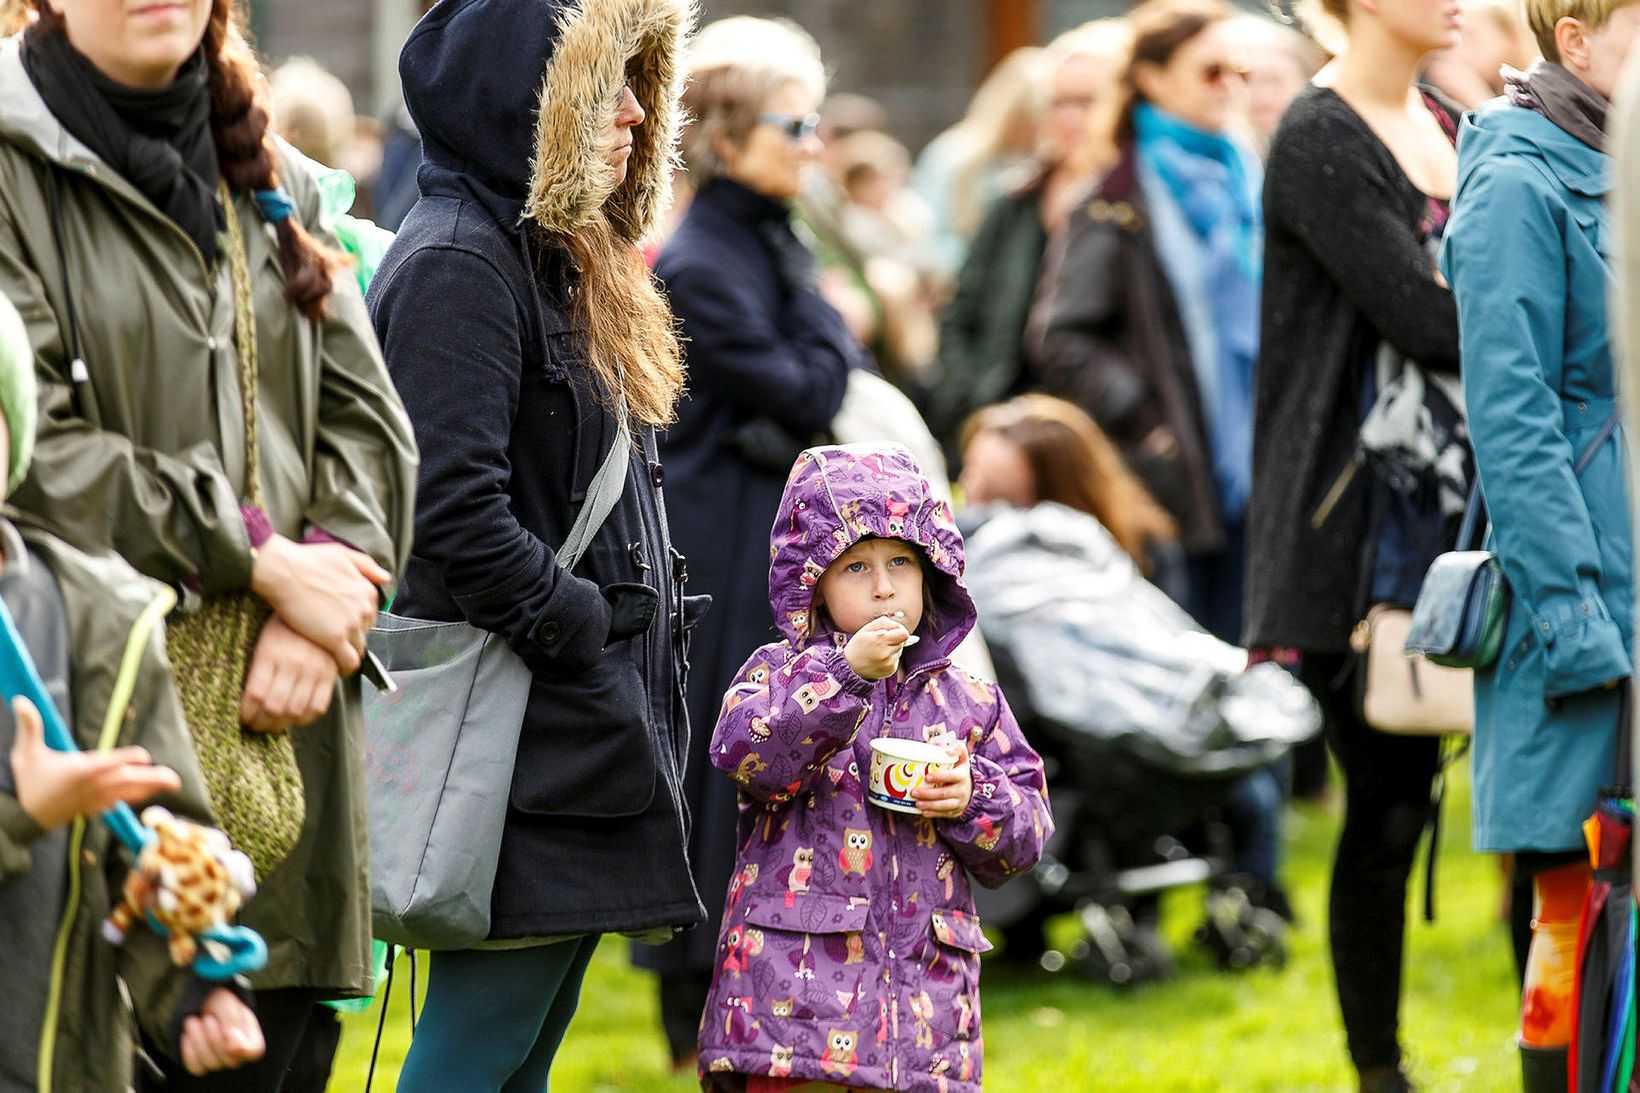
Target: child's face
{"points": [[872, 578]]}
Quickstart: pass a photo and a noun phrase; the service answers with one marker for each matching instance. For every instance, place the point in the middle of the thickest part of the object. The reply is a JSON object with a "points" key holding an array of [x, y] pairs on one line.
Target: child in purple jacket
{"points": [[849, 951]]}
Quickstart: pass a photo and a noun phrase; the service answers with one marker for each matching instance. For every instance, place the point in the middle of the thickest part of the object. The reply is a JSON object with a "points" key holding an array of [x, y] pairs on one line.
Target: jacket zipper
{"points": [[124, 685], [895, 889]]}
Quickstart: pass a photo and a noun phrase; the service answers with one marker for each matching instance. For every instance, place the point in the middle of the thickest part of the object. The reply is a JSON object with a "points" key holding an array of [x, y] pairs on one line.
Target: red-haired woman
{"points": [[152, 236]]}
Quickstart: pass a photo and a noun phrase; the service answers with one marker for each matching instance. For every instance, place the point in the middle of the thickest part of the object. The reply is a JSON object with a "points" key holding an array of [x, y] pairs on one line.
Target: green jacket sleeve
{"points": [[174, 517], [17, 833], [364, 467], [1512, 326]]}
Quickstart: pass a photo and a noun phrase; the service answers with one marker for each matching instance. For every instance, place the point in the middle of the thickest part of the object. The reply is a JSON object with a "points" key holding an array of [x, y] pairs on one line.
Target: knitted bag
{"points": [[253, 780]]}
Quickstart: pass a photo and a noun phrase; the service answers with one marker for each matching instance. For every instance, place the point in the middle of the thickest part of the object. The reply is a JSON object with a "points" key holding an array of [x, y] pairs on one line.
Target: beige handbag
{"points": [[1404, 694]]}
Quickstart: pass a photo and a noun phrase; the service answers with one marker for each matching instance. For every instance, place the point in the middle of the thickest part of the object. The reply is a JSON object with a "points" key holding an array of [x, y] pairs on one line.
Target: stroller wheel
{"points": [[1240, 934], [1116, 950]]}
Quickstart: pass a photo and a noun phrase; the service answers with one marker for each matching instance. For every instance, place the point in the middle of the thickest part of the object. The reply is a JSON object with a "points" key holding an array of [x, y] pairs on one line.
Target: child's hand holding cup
{"points": [[923, 779]]}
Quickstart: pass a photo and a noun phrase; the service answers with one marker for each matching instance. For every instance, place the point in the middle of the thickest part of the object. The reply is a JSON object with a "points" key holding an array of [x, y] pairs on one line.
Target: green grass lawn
{"points": [[1202, 1030]]}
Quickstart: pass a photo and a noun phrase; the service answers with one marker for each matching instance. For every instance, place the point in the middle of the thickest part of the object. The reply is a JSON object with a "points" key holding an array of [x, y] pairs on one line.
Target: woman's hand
{"points": [[56, 786], [946, 793], [326, 592], [224, 1034], [290, 682], [874, 650]]}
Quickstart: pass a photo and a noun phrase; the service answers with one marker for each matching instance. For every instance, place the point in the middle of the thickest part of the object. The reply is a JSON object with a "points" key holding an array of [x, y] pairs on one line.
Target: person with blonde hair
{"points": [[1541, 389], [312, 109], [768, 362], [961, 171], [1494, 37], [982, 330], [1280, 62]]}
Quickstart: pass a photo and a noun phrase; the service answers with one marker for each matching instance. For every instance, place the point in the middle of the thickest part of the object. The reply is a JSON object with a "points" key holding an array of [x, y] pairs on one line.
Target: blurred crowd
{"points": [[1165, 331]]}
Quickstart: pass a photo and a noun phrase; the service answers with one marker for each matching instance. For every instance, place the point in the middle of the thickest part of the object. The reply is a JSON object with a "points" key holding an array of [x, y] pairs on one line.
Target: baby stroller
{"points": [[1147, 723]]}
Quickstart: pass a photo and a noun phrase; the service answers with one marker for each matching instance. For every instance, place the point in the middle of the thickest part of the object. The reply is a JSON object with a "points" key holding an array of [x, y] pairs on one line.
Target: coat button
{"points": [[1582, 407], [549, 633], [657, 474], [211, 343]]}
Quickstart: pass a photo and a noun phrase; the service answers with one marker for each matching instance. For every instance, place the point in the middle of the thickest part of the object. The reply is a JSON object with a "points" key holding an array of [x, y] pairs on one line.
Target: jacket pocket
{"points": [[948, 1000], [585, 750], [799, 956]]}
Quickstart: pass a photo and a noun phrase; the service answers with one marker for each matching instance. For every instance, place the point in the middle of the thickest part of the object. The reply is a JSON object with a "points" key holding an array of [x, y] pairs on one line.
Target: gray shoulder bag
{"points": [[439, 753]]}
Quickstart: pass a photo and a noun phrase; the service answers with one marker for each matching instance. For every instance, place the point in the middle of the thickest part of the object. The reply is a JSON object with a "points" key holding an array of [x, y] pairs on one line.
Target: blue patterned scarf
{"points": [[1216, 184]]}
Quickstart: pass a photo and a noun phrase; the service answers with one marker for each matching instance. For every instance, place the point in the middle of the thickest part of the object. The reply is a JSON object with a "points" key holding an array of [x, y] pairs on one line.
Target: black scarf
{"points": [[159, 141], [1552, 91]]}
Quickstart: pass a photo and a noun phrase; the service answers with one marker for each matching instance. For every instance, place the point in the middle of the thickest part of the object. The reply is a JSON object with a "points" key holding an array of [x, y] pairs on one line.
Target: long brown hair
{"points": [[245, 150], [1074, 463], [631, 334]]}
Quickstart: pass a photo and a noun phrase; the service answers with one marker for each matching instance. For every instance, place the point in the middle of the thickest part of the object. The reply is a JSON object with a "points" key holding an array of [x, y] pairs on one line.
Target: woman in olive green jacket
{"points": [[121, 271]]}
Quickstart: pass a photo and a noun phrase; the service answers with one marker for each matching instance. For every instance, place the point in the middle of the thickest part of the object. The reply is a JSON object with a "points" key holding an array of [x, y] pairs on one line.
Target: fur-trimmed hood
{"points": [[513, 97]]}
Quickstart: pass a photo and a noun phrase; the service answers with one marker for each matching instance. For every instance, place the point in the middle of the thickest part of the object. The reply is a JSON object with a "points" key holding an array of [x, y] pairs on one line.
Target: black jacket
{"points": [[982, 332], [768, 365], [1107, 335], [472, 311], [1344, 270]]}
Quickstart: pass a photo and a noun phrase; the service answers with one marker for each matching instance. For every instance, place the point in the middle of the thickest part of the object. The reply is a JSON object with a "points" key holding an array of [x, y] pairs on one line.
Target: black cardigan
{"points": [[1344, 270]]}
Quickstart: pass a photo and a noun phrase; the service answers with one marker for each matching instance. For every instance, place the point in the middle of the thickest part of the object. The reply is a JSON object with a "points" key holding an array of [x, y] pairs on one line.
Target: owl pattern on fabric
{"points": [[855, 857], [866, 964]]}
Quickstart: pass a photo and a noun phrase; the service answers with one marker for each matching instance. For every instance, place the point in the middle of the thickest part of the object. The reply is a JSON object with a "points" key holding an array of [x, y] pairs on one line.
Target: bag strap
{"points": [[1475, 516], [244, 336], [1607, 428], [606, 489], [1623, 772]]}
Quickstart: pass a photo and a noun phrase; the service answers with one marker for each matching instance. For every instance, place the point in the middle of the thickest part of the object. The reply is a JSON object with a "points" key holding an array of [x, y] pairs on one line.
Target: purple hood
{"points": [[839, 494]]}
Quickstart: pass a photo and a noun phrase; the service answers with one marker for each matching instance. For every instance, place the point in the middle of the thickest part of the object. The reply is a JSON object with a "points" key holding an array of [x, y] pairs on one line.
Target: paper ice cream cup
{"points": [[899, 768]]}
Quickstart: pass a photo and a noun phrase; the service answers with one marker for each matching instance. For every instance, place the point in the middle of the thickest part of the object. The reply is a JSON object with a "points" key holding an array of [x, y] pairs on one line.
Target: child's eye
{"points": [[856, 567], [901, 560]]}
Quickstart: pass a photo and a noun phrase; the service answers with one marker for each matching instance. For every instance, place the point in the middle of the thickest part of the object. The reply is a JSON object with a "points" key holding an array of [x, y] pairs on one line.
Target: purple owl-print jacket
{"points": [[849, 949]]}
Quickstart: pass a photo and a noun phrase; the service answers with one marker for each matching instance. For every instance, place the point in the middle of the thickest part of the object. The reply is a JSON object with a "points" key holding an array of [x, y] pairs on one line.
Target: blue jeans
{"points": [[1253, 812], [494, 1018]]}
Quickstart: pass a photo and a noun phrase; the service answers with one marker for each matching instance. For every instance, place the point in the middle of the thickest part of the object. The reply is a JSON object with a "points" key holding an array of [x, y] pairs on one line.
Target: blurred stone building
{"points": [[920, 58]]}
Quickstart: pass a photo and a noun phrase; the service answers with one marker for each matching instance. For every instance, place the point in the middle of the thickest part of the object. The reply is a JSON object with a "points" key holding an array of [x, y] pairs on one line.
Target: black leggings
{"points": [[1387, 782]]}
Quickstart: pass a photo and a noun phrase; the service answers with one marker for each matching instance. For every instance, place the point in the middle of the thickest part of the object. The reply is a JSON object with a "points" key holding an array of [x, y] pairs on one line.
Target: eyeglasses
{"points": [[1219, 71], [795, 127]]}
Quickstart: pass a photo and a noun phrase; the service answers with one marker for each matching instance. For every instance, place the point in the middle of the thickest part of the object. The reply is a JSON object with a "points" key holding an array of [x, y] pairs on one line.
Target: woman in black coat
{"points": [[515, 311], [1348, 268], [768, 364]]}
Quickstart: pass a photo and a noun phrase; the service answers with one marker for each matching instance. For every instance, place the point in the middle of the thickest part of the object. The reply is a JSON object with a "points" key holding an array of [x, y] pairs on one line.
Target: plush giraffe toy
{"points": [[187, 879]]}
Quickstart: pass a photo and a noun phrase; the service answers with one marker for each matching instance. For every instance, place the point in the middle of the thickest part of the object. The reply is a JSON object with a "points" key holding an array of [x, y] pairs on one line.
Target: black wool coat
{"points": [[982, 332], [768, 365], [473, 312], [1344, 271]]}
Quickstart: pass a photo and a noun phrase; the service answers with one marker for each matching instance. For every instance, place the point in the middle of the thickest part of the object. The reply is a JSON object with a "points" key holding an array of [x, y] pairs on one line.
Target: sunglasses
{"points": [[796, 128], [1218, 72]]}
